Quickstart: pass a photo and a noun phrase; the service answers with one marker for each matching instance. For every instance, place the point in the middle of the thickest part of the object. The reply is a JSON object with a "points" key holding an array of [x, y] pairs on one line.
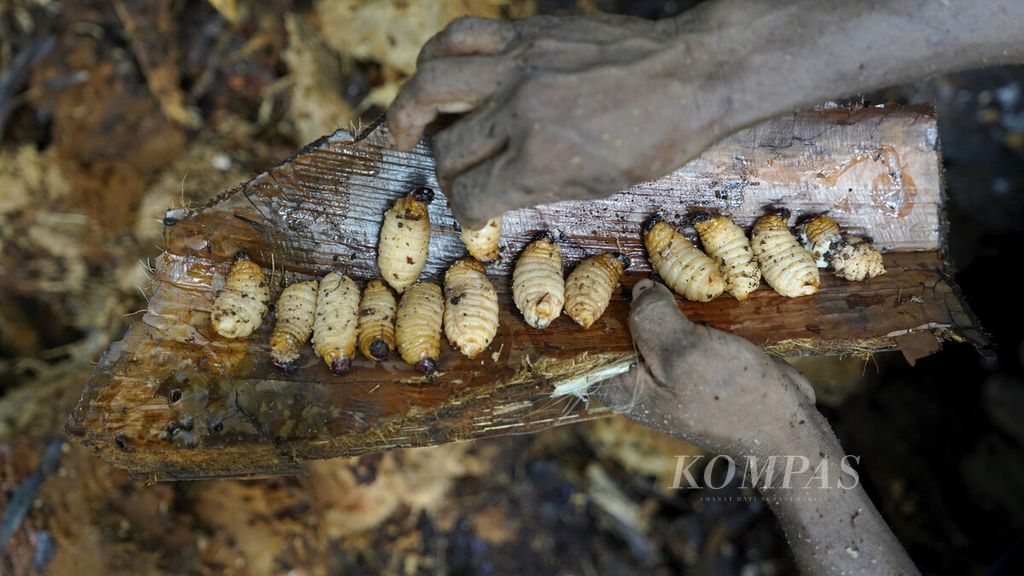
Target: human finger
{"points": [[451, 85], [658, 327], [482, 192], [466, 144], [468, 35]]}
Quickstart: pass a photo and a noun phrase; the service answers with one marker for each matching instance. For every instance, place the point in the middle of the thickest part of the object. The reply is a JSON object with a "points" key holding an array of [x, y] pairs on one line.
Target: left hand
{"points": [[562, 108]]}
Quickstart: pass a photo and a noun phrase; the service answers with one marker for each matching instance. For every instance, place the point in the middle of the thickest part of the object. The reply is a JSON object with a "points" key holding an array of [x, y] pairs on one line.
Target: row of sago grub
{"points": [[736, 265], [339, 319]]}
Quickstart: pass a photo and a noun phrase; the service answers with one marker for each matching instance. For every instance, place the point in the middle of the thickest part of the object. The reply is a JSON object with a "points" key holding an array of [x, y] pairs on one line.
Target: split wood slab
{"points": [[173, 400]]}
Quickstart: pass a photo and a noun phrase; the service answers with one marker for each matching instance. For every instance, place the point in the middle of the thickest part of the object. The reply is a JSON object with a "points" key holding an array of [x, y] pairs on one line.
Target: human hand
{"points": [[711, 388], [561, 108], [724, 394], [583, 107]]}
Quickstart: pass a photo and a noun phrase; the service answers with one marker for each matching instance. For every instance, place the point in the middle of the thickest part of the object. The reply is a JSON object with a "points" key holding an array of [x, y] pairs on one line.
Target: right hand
{"points": [[561, 108], [709, 387], [722, 393]]}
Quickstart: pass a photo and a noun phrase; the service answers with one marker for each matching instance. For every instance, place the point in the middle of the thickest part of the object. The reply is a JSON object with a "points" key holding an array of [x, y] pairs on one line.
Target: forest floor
{"points": [[113, 111]]}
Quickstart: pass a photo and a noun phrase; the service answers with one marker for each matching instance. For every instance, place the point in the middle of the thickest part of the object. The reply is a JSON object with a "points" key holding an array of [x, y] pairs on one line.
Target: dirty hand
{"points": [[583, 107], [706, 386], [562, 108], [724, 394]]}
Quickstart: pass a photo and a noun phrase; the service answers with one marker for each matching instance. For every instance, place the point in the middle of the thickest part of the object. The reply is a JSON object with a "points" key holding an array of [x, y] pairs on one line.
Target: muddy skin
{"points": [[583, 107], [724, 394]]}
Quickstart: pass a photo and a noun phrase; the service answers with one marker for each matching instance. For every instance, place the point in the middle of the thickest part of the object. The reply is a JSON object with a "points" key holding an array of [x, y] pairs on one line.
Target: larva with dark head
{"points": [[786, 266], [817, 234], [470, 307], [850, 257], [418, 328], [296, 308], [588, 290], [377, 321], [482, 244], [336, 323], [538, 287], [239, 308], [404, 239], [685, 269], [728, 245]]}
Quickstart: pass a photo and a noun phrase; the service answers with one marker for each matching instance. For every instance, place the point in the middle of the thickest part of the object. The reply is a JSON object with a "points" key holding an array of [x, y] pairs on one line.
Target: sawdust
{"points": [[863, 348], [30, 177], [637, 448], [415, 478], [356, 27], [206, 170], [234, 10], [316, 72], [494, 525], [391, 32], [40, 246], [152, 28], [572, 375]]}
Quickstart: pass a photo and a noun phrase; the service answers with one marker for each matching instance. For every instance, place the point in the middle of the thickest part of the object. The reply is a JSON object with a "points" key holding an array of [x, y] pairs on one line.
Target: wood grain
{"points": [[174, 400]]}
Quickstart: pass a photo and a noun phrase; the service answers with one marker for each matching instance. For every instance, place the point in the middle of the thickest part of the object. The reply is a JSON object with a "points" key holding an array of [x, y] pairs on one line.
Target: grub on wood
{"points": [[192, 404]]}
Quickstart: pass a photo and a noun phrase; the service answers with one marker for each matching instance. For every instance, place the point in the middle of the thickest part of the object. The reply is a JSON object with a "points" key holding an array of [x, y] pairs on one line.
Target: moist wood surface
{"points": [[174, 400]]}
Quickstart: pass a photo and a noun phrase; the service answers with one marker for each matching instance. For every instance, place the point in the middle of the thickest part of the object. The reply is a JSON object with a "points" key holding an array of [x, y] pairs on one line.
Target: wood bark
{"points": [[173, 400]]}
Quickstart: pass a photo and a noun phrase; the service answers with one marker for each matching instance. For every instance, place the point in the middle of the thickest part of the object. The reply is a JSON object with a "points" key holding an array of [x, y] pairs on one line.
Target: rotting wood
{"points": [[173, 400]]}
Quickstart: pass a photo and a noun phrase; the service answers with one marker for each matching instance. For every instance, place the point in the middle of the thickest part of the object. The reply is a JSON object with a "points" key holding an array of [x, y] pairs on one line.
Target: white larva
{"points": [[239, 308], [404, 239], [785, 265], [482, 244], [817, 235], [538, 287], [728, 245], [850, 257], [377, 311], [685, 269], [589, 287], [296, 309], [854, 258], [470, 307], [336, 322], [418, 328]]}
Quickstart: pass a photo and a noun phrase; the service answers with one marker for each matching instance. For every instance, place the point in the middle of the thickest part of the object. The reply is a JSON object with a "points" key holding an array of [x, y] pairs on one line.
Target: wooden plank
{"points": [[174, 400]]}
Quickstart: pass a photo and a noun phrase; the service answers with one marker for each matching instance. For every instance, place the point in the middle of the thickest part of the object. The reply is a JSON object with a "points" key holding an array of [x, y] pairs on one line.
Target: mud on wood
{"points": [[174, 400]]}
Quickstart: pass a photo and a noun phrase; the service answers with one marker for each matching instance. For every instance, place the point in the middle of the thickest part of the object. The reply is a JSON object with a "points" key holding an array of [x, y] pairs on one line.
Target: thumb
{"points": [[475, 196], [659, 329]]}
